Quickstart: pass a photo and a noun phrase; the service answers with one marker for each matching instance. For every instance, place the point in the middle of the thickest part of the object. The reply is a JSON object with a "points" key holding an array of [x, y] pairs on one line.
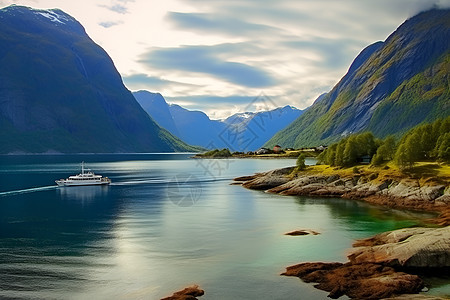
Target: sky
{"points": [[229, 56]]}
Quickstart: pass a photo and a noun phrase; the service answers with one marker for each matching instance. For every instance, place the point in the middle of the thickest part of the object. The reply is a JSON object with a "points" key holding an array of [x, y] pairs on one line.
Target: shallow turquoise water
{"points": [[166, 222]]}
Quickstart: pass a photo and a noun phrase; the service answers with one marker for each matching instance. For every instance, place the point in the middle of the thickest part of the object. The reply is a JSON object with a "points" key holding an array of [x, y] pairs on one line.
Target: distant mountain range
{"points": [[246, 131], [390, 87], [60, 92]]}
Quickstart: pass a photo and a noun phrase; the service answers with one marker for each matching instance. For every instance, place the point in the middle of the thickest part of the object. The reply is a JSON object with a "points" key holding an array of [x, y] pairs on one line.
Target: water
{"points": [[166, 222]]}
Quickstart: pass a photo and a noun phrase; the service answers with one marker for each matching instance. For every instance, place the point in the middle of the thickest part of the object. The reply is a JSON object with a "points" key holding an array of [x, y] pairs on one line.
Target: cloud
{"points": [[194, 51], [153, 83], [108, 24], [215, 23], [118, 8], [208, 60], [331, 53]]}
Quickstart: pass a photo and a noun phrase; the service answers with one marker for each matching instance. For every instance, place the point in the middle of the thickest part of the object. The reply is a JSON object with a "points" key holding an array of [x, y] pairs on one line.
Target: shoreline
{"points": [[394, 191], [388, 264]]}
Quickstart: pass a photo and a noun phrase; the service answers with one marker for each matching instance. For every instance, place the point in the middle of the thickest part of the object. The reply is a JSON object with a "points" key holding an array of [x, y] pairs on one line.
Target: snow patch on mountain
{"points": [[53, 16]]}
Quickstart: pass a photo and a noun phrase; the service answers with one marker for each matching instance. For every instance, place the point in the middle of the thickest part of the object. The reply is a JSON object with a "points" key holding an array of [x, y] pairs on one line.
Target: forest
{"points": [[425, 142]]}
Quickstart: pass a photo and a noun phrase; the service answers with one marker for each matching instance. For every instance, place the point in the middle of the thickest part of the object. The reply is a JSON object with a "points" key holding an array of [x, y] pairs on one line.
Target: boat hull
{"points": [[71, 183]]}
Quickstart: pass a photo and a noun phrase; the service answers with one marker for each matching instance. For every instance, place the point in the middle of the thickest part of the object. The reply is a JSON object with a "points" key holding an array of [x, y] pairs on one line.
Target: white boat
{"points": [[84, 178]]}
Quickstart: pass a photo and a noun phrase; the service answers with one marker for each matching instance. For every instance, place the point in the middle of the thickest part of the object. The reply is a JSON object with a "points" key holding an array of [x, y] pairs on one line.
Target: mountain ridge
{"points": [[245, 131], [418, 44]]}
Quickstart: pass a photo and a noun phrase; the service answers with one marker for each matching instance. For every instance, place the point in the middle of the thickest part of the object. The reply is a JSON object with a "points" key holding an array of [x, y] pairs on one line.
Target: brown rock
{"points": [[443, 219], [189, 293], [302, 232], [358, 281]]}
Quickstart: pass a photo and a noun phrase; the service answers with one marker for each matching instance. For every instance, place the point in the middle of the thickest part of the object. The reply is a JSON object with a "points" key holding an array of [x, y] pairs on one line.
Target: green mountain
{"points": [[390, 87], [60, 92]]}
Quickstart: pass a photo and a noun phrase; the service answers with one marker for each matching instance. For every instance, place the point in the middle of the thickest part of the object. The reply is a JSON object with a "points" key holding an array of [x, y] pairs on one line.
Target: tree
{"points": [[339, 158], [351, 151], [443, 147], [385, 152], [301, 162], [366, 144], [408, 152]]}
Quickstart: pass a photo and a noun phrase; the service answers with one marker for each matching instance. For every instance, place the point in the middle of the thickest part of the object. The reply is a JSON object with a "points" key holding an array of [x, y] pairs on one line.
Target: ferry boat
{"points": [[84, 178]]}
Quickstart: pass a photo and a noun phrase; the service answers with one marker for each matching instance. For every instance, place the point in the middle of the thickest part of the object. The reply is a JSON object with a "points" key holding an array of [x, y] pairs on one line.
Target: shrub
{"points": [[301, 162]]}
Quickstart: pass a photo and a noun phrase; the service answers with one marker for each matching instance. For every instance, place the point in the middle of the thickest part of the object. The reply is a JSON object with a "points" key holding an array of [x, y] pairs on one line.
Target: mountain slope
{"points": [[197, 128], [156, 103], [239, 132], [390, 87], [60, 92]]}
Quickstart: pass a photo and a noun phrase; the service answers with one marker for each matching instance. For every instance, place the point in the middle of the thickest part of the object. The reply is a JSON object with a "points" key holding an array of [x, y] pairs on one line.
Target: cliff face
{"points": [[59, 91], [390, 87]]}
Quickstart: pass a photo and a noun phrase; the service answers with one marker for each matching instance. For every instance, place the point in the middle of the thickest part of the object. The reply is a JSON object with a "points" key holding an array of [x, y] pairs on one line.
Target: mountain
{"points": [[390, 87], [246, 131], [156, 103], [250, 131], [60, 92]]}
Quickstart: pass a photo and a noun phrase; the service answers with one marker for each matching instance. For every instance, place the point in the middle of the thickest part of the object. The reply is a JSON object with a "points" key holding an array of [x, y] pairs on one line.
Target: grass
{"points": [[425, 172]]}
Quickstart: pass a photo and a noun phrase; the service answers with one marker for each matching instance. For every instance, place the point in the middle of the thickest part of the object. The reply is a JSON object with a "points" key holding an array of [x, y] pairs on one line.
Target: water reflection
{"points": [[366, 217], [83, 194]]}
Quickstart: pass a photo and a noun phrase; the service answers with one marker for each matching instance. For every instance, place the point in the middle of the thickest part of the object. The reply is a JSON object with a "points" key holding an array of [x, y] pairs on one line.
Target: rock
{"points": [[246, 178], [359, 281], [189, 293], [409, 247], [443, 219], [269, 180], [443, 200], [302, 232]]}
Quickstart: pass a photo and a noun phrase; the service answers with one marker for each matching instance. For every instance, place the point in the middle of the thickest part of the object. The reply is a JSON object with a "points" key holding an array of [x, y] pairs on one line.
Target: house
{"points": [[262, 151], [277, 149], [321, 148]]}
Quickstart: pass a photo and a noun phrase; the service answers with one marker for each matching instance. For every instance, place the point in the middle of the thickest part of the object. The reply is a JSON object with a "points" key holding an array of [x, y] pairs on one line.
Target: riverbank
{"points": [[388, 264]]}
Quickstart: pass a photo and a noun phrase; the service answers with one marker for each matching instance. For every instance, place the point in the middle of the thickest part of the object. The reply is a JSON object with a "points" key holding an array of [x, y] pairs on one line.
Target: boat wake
{"points": [[26, 191], [166, 181]]}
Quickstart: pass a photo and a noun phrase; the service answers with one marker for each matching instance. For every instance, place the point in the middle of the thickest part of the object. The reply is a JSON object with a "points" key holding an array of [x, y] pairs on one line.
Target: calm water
{"points": [[166, 222]]}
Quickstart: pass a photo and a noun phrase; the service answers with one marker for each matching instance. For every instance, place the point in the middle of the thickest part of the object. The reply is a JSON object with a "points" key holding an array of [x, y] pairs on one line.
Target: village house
{"points": [[277, 149], [262, 151]]}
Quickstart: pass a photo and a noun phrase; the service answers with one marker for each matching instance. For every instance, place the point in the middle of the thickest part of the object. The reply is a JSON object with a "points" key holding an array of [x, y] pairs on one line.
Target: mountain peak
{"points": [[36, 20]]}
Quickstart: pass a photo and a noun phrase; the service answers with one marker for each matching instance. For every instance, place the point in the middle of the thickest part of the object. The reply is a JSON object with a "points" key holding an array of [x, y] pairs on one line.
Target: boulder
{"points": [[409, 247], [302, 232], [189, 293], [358, 281], [269, 180]]}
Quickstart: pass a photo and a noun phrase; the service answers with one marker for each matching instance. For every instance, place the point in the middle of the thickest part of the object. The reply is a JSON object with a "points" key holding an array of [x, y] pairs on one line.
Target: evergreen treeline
{"points": [[423, 142]]}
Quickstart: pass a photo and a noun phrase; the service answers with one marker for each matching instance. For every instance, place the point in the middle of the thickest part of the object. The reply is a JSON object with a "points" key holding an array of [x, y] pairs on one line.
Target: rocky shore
{"points": [[388, 264], [379, 266], [393, 192]]}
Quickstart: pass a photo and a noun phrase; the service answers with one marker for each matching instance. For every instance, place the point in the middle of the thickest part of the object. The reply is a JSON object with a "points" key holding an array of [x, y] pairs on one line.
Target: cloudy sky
{"points": [[218, 55]]}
